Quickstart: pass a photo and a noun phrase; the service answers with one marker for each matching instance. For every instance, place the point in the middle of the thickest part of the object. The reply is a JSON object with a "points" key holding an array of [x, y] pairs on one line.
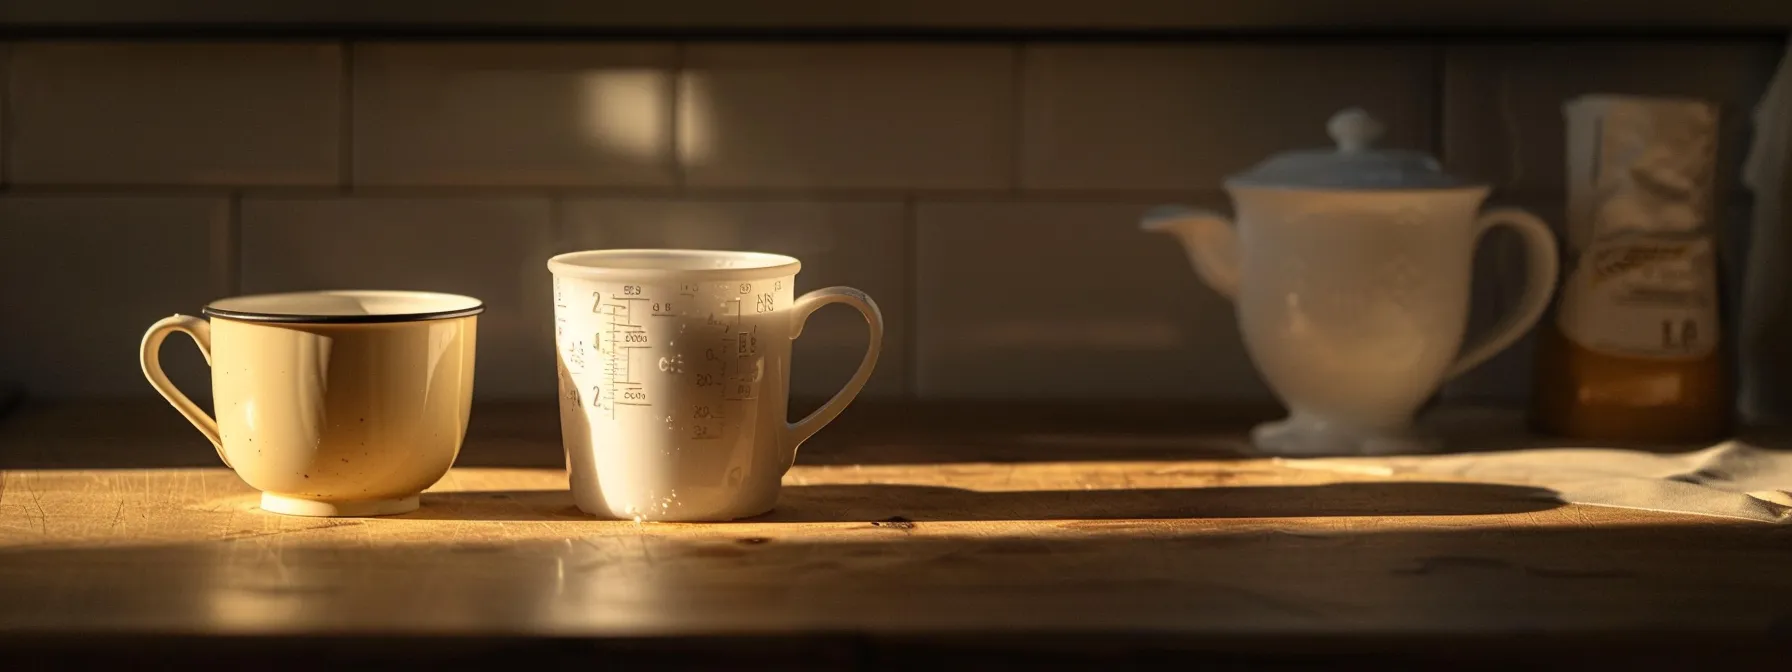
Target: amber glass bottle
{"points": [[1585, 394], [1632, 349]]}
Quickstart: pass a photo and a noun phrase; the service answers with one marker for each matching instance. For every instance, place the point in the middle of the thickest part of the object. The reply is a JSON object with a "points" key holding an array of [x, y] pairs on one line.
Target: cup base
{"points": [[1304, 436], [682, 516], [298, 506]]}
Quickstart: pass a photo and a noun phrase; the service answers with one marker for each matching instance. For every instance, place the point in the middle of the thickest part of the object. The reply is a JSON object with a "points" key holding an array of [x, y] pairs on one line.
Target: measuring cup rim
{"points": [[646, 263]]}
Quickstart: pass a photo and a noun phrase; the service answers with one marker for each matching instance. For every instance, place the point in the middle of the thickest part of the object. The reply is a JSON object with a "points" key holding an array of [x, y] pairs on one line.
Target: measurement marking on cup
{"points": [[720, 368]]}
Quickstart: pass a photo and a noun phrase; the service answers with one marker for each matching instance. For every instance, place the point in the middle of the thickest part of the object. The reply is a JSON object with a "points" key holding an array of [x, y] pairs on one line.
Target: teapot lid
{"points": [[1353, 165]]}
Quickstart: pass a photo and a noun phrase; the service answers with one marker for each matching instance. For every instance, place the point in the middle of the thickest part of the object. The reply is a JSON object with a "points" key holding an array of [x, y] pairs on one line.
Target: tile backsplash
{"points": [[1181, 118], [565, 115], [174, 114], [985, 193]]}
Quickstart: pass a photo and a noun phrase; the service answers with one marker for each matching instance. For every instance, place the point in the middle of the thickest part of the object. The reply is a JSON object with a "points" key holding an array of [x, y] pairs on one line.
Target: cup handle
{"points": [[1541, 267], [201, 331], [805, 306]]}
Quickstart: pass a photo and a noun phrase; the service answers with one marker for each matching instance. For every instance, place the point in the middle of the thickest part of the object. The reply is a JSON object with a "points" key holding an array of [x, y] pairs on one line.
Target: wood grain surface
{"points": [[905, 534]]}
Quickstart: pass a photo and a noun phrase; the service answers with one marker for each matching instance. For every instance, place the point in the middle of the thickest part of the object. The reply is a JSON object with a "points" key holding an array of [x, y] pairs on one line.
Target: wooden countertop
{"points": [[905, 534]]}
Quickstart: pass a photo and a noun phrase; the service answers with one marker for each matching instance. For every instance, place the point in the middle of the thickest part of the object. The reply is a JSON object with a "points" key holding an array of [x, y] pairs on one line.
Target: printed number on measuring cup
{"points": [[597, 302], [706, 380], [763, 303], [631, 290]]}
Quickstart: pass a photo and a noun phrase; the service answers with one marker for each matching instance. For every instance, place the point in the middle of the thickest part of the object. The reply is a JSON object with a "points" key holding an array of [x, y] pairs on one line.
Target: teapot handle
{"points": [[1541, 267]]}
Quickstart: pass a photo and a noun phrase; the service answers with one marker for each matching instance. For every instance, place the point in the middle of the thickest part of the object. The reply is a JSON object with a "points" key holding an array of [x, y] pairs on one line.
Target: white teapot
{"points": [[1350, 269]]}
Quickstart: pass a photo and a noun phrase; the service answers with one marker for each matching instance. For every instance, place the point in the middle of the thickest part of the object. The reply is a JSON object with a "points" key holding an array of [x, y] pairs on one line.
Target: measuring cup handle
{"points": [[805, 306]]}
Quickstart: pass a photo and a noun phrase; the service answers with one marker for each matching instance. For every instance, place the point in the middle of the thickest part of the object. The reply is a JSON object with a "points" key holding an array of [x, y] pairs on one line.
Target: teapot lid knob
{"points": [[1354, 130]]}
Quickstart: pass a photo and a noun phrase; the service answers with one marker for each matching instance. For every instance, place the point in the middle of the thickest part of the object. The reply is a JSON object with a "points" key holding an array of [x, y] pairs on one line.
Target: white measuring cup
{"points": [[675, 377]]}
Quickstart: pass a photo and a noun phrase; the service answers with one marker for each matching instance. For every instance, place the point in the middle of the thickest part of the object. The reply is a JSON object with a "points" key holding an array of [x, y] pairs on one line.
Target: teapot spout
{"points": [[1209, 239]]}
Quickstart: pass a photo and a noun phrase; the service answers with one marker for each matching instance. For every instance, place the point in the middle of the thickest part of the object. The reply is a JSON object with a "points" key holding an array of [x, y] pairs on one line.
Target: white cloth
{"points": [[1733, 479]]}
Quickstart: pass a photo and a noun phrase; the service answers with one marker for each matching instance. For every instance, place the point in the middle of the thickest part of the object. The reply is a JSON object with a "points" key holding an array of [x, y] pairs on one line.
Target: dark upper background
{"points": [[976, 166]]}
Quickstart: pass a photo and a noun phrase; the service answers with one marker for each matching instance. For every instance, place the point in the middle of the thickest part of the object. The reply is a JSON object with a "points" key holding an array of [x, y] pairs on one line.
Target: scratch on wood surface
{"points": [[646, 552], [1440, 563], [1579, 514], [229, 522], [895, 522], [1533, 519], [283, 530], [37, 502]]}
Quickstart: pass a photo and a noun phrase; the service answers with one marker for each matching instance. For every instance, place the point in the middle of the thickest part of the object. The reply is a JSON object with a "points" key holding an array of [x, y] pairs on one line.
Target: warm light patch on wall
{"points": [[625, 111]]}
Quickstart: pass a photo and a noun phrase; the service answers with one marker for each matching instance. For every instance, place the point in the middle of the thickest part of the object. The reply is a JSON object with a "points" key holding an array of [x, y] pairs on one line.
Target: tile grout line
{"points": [[1094, 196], [230, 276], [346, 119], [8, 120], [1017, 115], [1439, 115], [911, 270], [675, 132], [556, 222], [1436, 140]]}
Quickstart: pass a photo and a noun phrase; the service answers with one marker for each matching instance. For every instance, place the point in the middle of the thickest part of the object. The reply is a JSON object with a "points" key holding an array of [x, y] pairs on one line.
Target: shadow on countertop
{"points": [[141, 434], [887, 505], [760, 597]]}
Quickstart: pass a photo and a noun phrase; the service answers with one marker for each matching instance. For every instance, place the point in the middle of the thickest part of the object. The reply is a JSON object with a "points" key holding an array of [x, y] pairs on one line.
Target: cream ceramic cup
{"points": [[333, 403]]}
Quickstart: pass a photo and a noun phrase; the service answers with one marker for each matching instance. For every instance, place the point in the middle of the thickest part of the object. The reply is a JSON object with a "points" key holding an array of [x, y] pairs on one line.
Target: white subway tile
{"points": [[176, 114], [81, 279], [859, 244], [494, 249], [858, 116], [1503, 117], [1068, 301], [1185, 117], [513, 114]]}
